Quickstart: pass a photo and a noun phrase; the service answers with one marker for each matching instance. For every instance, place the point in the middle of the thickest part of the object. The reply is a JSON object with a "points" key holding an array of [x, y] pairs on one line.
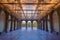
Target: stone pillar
{"points": [[59, 20], [17, 24], [26, 25], [58, 11], [46, 23], [32, 24], [43, 24], [6, 21], [20, 24], [14, 23], [51, 23], [11, 23], [38, 22]]}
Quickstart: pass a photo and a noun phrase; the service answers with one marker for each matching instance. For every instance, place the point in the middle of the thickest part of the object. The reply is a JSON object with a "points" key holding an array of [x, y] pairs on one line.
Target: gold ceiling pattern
{"points": [[29, 9]]}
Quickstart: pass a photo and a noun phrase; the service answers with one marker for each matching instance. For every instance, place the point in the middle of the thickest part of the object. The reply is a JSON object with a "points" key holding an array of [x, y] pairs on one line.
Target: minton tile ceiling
{"points": [[29, 9]]}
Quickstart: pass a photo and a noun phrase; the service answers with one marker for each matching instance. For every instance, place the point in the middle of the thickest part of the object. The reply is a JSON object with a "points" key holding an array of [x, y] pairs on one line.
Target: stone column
{"points": [[26, 25], [14, 23], [17, 24], [6, 21], [38, 22], [59, 20], [46, 23], [51, 23], [11, 22], [43, 24], [32, 25], [58, 11], [20, 24]]}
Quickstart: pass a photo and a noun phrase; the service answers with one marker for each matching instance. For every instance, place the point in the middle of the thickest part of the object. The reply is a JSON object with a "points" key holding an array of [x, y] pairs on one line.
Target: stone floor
{"points": [[29, 35]]}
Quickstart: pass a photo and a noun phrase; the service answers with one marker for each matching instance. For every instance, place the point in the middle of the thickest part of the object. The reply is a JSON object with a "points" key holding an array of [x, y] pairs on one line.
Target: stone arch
{"points": [[55, 20], [29, 25], [48, 23], [34, 23], [2, 21], [9, 23], [23, 25]]}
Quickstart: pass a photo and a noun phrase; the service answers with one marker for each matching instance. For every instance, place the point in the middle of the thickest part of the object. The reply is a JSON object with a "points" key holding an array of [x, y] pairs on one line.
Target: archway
{"points": [[9, 23], [29, 25], [2, 21], [48, 22], [23, 25], [34, 25], [55, 21]]}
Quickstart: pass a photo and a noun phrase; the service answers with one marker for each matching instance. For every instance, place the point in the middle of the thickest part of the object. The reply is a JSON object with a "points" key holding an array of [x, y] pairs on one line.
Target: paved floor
{"points": [[29, 35]]}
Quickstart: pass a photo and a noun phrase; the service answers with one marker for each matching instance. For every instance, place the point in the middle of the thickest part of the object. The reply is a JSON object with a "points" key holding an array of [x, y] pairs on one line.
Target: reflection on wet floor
{"points": [[29, 35], [28, 28]]}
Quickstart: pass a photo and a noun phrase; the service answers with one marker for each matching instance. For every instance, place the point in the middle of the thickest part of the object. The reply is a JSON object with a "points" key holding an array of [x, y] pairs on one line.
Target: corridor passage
{"points": [[29, 19], [29, 35]]}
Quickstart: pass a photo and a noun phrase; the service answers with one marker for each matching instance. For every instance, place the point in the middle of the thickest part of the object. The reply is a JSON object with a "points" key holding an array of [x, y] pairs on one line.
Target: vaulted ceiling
{"points": [[29, 9]]}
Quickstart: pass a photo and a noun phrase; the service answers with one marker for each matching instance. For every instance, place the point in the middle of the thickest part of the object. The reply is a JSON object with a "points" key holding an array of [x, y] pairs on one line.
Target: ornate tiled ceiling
{"points": [[29, 9], [29, 1]]}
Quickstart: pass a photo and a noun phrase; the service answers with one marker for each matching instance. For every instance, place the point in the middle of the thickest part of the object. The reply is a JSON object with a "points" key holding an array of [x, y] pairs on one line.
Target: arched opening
{"points": [[34, 25], [23, 25], [29, 25], [48, 22], [9, 23], [2, 21], [55, 22]]}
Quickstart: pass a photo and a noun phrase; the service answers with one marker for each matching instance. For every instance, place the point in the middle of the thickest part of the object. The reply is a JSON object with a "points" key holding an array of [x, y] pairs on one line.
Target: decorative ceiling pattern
{"points": [[29, 9]]}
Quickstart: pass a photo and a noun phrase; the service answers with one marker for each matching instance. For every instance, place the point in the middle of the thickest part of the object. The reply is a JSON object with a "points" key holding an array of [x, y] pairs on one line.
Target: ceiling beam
{"points": [[52, 8], [20, 6], [37, 7], [30, 10], [30, 3]]}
